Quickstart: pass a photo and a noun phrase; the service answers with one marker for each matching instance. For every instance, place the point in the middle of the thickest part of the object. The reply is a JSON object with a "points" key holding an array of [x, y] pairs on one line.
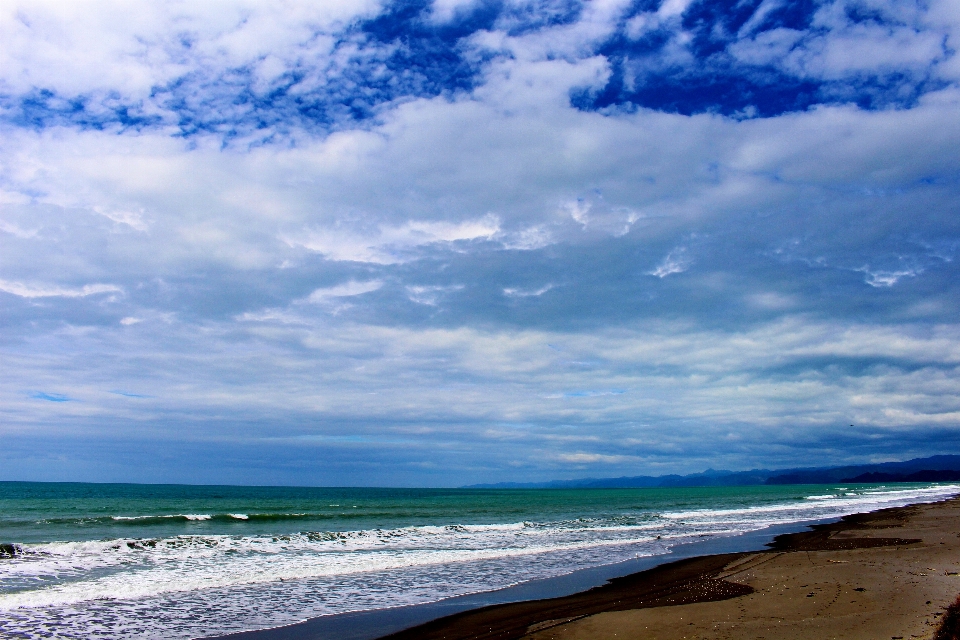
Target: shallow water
{"points": [[173, 561]]}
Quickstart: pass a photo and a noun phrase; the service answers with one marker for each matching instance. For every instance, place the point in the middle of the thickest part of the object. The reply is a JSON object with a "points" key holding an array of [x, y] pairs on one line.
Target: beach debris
{"points": [[949, 628]]}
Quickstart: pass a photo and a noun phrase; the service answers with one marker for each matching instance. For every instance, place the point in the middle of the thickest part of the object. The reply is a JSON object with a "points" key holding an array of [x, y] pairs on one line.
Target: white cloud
{"points": [[579, 211], [673, 8], [594, 458], [443, 11], [16, 230], [133, 219], [80, 48], [270, 316], [529, 239], [429, 295], [882, 278], [517, 292], [358, 196], [345, 290], [840, 48], [756, 20], [392, 245], [677, 261], [595, 214], [52, 291], [767, 47]]}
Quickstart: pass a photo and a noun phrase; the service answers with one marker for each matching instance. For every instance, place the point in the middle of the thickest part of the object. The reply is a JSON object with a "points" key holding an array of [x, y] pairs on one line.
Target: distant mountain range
{"points": [[944, 468]]}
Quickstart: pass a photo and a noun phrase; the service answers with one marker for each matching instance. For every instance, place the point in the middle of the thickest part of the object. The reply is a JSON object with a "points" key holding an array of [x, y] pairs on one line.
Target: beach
{"points": [[268, 563], [891, 573], [543, 319]]}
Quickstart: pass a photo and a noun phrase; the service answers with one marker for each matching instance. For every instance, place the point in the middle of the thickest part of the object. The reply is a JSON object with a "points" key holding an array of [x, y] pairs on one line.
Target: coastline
{"points": [[714, 572], [887, 573]]}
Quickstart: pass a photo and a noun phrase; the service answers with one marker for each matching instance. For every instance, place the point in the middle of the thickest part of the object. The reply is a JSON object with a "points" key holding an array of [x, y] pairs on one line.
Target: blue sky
{"points": [[438, 243]]}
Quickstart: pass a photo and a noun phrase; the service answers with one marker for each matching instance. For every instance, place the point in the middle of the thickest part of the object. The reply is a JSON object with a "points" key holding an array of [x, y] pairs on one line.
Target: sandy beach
{"points": [[887, 574]]}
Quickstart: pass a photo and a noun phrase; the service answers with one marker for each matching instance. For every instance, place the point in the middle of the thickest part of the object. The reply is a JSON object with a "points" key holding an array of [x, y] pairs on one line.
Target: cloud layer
{"points": [[375, 243]]}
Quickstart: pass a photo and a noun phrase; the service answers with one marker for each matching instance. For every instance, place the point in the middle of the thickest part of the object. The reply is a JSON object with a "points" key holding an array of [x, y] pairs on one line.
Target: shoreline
{"points": [[744, 595], [377, 623], [687, 575]]}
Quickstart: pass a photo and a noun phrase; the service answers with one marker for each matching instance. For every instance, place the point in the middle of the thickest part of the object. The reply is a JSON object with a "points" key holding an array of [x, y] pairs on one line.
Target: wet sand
{"points": [[887, 574]]}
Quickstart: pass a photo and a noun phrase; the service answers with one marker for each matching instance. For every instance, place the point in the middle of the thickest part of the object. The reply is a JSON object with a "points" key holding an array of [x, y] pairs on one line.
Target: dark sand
{"points": [[886, 574]]}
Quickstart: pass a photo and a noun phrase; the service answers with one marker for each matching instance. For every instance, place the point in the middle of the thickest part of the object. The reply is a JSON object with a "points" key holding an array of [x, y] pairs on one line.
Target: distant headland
{"points": [[942, 468]]}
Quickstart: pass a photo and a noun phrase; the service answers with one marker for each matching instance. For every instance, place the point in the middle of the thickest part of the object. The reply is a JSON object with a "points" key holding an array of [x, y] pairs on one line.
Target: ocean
{"points": [[180, 561]]}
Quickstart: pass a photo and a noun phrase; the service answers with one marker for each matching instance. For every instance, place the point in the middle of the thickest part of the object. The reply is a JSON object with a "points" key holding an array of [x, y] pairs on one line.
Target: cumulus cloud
{"points": [[132, 49]]}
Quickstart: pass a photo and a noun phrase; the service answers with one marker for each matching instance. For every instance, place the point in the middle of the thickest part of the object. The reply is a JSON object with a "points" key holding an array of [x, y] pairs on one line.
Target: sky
{"points": [[433, 243]]}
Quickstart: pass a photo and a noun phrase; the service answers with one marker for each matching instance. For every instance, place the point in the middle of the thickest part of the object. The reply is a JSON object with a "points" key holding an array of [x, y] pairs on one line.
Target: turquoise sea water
{"points": [[174, 561]]}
